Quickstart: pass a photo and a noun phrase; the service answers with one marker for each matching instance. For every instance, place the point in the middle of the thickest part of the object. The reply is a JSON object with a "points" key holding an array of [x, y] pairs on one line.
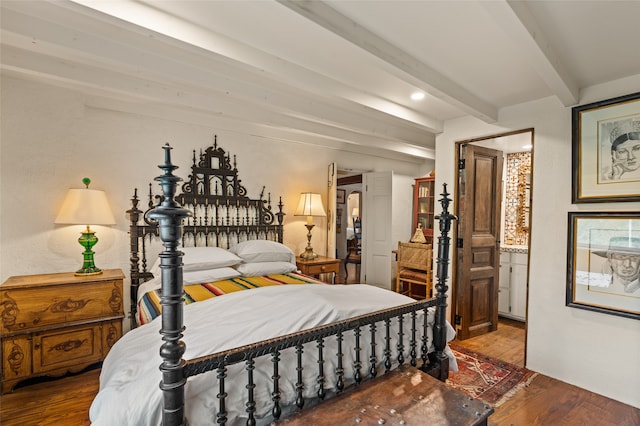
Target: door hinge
{"points": [[461, 164], [458, 320], [459, 242]]}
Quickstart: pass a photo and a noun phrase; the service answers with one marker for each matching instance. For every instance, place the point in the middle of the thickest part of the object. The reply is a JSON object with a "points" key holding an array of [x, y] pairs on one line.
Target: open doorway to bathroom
{"points": [[493, 200]]}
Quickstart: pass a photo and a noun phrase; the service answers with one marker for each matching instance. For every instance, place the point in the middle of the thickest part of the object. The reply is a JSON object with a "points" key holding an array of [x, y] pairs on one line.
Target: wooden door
{"points": [[478, 261]]}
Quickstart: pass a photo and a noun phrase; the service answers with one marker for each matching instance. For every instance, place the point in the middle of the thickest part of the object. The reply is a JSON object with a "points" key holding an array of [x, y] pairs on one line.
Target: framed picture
{"points": [[341, 196], [603, 262], [606, 150]]}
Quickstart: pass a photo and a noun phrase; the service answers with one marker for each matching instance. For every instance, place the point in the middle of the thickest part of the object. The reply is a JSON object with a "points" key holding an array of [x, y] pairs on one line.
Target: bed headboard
{"points": [[221, 213]]}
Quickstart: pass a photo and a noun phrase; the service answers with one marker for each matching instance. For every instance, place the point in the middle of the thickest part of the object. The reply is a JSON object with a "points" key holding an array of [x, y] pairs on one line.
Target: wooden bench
{"points": [[405, 396]]}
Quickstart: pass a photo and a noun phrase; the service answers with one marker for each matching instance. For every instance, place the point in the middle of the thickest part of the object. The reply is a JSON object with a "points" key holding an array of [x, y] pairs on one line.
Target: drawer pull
{"points": [[69, 305], [323, 268], [67, 346]]}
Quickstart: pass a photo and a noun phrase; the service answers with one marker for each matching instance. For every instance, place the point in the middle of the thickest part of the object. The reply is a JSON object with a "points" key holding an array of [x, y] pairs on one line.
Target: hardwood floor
{"points": [[545, 401], [64, 401], [506, 344]]}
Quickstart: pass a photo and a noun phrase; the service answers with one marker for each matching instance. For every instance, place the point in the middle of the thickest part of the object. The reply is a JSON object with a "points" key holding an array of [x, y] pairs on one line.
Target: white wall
{"points": [[51, 139], [595, 351]]}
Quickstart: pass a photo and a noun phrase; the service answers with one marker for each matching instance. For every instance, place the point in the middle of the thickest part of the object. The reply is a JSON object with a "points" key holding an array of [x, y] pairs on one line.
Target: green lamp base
{"points": [[87, 240]]}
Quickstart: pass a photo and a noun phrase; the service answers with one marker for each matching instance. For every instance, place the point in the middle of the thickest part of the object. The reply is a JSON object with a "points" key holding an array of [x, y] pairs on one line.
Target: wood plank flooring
{"points": [[546, 401], [64, 401]]}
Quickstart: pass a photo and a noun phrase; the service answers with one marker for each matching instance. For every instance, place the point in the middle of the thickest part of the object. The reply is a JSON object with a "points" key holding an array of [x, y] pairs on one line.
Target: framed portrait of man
{"points": [[604, 262], [606, 150]]}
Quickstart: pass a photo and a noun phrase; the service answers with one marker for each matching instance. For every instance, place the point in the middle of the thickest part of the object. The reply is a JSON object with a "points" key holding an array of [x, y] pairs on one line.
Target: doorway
{"points": [[348, 210], [494, 209], [353, 255]]}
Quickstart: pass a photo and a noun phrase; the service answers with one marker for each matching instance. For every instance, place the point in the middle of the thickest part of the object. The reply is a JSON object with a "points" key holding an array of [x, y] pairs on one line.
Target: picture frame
{"points": [[603, 262], [606, 150], [341, 197]]}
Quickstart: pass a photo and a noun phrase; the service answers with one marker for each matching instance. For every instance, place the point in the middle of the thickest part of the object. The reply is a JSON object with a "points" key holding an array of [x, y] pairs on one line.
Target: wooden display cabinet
{"points": [[423, 205]]}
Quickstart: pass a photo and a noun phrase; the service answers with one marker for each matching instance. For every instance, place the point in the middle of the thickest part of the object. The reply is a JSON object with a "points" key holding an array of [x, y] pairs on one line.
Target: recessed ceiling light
{"points": [[417, 96]]}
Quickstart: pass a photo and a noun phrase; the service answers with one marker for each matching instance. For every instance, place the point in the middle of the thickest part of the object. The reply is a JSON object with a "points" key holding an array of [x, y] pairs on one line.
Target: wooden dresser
{"points": [[57, 323]]}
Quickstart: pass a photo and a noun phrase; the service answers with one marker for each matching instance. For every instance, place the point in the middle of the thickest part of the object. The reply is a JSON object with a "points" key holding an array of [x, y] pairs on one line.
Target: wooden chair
{"points": [[354, 251], [414, 276]]}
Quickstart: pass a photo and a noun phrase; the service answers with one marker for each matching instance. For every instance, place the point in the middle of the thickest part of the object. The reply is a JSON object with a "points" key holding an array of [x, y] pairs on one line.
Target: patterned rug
{"points": [[487, 379]]}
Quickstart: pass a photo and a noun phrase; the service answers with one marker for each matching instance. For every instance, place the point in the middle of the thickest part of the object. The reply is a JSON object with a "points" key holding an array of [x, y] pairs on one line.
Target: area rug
{"points": [[488, 379]]}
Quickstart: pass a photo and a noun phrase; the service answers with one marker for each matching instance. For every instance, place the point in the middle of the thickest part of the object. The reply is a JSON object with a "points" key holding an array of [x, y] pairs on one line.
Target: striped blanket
{"points": [[149, 305]]}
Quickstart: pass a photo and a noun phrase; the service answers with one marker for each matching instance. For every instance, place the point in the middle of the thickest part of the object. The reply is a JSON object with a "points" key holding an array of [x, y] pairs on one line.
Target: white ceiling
{"points": [[336, 73]]}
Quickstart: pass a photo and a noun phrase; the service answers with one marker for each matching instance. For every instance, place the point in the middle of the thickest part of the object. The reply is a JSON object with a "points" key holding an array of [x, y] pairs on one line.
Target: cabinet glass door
{"points": [[423, 205]]}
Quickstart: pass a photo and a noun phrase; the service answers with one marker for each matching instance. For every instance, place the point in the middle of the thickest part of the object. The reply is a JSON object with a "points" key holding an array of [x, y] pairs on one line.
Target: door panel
{"points": [[478, 264], [505, 290], [376, 228]]}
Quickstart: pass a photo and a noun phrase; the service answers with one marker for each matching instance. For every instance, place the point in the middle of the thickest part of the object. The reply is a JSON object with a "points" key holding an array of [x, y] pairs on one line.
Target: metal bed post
{"points": [[169, 216], [444, 242]]}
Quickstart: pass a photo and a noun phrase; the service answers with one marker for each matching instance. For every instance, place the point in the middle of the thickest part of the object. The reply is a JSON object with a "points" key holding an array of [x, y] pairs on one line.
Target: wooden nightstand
{"points": [[319, 265], [57, 323]]}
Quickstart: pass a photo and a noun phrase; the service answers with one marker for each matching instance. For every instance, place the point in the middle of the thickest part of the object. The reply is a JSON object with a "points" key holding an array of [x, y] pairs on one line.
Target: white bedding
{"points": [[129, 392]]}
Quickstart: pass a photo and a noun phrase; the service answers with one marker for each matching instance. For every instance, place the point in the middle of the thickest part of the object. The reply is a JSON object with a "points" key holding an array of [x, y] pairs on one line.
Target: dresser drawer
{"points": [[66, 347], [25, 309], [321, 269]]}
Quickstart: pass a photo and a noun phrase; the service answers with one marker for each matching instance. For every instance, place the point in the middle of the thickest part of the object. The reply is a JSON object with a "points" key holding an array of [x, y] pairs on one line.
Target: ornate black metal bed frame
{"points": [[225, 224]]}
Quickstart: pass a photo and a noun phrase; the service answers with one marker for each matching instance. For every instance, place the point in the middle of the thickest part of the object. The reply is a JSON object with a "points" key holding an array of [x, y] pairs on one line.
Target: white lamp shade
{"points": [[85, 207], [310, 205], [355, 212]]}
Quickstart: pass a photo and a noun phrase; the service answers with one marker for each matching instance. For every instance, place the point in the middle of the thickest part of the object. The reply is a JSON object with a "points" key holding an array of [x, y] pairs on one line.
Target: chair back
{"points": [[357, 230], [414, 256]]}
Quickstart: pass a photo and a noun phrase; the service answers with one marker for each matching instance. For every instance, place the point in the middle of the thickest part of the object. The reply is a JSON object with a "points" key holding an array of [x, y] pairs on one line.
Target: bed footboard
{"points": [[344, 353]]}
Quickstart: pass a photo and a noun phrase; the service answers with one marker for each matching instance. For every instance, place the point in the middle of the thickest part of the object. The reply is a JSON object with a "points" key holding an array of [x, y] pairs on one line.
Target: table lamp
{"points": [[86, 207], [310, 205], [355, 214]]}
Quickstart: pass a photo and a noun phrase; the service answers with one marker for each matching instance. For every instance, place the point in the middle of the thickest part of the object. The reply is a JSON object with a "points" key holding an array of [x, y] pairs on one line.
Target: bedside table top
{"points": [[19, 281]]}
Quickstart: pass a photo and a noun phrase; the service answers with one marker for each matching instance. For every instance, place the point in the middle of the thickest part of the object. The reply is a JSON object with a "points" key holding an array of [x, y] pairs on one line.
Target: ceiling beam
{"points": [[515, 19], [167, 71], [171, 29], [405, 66]]}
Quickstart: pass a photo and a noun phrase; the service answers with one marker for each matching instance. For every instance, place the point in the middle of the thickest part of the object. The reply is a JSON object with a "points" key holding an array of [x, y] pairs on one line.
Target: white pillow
{"points": [[201, 258], [256, 269], [209, 275], [263, 251], [155, 269]]}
